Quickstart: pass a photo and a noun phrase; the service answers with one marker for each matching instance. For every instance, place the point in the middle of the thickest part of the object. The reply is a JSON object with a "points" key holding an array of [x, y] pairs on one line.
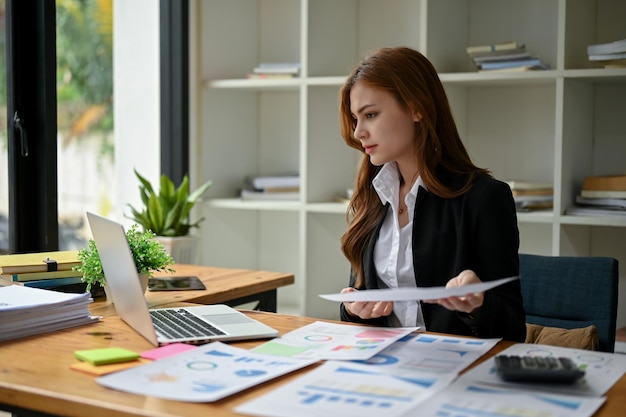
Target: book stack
{"points": [[275, 70], [27, 311], [609, 55], [504, 56], [282, 187], [50, 270], [530, 196], [601, 196]]}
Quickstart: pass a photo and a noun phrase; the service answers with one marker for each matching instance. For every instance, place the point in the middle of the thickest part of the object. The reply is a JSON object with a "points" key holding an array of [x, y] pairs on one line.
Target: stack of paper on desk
{"points": [[26, 311]]}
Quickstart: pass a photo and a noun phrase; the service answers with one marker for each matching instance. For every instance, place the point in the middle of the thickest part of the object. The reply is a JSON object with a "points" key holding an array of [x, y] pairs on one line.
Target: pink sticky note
{"points": [[165, 351]]}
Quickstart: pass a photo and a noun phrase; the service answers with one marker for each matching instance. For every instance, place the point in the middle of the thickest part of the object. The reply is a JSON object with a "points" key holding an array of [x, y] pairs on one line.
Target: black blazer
{"points": [[477, 231]]}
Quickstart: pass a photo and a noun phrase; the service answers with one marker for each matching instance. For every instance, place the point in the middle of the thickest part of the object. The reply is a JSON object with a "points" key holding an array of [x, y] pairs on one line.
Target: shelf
{"points": [[540, 216], [599, 75], [613, 221], [544, 77], [339, 208], [238, 204], [256, 84]]}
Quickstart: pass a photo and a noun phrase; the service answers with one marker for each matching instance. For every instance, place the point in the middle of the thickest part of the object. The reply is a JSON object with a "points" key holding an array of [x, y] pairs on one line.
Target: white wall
{"points": [[136, 99]]}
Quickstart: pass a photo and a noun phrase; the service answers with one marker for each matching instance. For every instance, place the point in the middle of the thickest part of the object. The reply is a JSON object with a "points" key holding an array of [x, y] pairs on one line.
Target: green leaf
{"points": [[167, 213]]}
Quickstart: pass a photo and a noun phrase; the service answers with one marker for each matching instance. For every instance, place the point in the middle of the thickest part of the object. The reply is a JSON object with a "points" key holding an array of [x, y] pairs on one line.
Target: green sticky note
{"points": [[106, 355]]}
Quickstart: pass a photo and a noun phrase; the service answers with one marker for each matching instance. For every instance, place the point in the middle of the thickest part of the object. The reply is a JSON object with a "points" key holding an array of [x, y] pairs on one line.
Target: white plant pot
{"points": [[143, 281], [184, 249]]}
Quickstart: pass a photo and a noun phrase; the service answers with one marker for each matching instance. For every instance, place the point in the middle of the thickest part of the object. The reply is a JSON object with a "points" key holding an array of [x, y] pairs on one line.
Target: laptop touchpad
{"points": [[227, 318]]}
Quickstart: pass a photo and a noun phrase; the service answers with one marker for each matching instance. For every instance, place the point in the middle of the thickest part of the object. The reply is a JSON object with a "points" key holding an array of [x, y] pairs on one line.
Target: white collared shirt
{"points": [[393, 252]]}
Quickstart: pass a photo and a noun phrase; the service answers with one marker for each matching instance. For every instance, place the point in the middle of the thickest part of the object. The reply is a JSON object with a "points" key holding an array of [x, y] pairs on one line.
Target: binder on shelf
{"points": [[614, 47], [498, 54], [501, 57], [260, 195], [529, 204], [530, 63], [529, 192], [266, 76], [611, 55], [501, 46], [532, 195], [607, 57], [529, 185], [274, 181], [594, 211], [291, 68], [616, 203], [507, 56], [603, 193], [615, 63], [605, 183]]}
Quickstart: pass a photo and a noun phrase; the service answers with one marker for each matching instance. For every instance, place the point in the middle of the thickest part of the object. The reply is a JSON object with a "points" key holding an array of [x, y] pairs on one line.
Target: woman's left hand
{"points": [[466, 304]]}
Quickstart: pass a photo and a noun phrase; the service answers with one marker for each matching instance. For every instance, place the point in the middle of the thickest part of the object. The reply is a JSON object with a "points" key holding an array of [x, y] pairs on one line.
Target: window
{"points": [[57, 164], [69, 168]]}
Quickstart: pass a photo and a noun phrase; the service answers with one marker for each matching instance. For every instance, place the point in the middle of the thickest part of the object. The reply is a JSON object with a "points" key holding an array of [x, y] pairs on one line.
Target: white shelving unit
{"points": [[558, 125]]}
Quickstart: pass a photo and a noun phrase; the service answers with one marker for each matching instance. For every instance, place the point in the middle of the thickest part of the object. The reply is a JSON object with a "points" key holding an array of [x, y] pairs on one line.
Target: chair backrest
{"points": [[571, 292]]}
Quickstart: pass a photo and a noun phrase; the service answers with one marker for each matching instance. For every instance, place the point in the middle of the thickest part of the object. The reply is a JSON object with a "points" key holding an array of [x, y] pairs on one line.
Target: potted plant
{"points": [[167, 214], [148, 253]]}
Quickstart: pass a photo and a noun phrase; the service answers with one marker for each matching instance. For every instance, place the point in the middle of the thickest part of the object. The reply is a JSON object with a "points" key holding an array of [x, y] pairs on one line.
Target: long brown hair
{"points": [[413, 81]]}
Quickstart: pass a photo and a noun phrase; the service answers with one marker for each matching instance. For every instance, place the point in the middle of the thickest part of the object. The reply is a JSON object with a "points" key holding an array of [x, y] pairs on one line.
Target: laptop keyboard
{"points": [[177, 324]]}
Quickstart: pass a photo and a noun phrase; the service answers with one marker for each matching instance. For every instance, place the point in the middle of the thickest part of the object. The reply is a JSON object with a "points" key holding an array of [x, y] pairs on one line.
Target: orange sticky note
{"points": [[106, 369]]}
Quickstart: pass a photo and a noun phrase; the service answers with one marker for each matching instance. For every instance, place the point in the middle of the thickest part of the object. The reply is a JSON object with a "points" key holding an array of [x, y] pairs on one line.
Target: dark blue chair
{"points": [[571, 292]]}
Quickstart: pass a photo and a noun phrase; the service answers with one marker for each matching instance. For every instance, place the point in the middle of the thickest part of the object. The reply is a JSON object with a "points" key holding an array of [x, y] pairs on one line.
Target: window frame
{"points": [[32, 140]]}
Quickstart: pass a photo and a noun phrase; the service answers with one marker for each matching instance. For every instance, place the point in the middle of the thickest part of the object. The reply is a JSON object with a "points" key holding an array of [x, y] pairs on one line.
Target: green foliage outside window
{"points": [[84, 66], [84, 69]]}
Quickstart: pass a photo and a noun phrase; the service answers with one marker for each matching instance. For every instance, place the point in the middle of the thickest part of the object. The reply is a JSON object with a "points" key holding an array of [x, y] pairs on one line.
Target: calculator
{"points": [[537, 369]]}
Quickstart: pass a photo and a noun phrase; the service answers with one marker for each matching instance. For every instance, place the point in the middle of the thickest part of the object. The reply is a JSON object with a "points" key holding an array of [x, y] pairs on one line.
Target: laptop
{"points": [[195, 325]]}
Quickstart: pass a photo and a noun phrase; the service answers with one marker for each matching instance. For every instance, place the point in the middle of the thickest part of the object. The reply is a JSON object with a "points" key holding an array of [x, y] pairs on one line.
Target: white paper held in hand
{"points": [[427, 293]]}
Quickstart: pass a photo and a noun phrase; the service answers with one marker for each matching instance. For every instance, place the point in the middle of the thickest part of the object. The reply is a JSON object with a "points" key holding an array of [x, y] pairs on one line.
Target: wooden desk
{"points": [[35, 377], [224, 285]]}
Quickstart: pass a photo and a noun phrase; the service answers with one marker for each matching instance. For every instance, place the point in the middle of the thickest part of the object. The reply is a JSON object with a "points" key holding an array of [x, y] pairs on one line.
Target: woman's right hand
{"points": [[367, 309]]}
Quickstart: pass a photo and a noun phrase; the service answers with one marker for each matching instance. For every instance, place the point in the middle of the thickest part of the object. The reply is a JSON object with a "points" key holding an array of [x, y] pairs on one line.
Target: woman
{"points": [[422, 214]]}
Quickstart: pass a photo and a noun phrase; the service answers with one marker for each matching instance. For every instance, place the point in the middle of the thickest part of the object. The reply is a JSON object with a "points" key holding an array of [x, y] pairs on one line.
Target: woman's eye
{"points": [[370, 115]]}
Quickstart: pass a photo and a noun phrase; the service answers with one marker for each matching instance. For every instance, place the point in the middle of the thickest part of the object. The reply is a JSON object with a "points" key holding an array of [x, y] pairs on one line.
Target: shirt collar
{"points": [[387, 183]]}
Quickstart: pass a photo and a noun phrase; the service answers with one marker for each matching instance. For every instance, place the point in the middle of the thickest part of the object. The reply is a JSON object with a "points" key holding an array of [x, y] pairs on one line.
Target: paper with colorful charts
{"points": [[469, 398], [322, 340], [430, 354], [347, 389], [207, 373]]}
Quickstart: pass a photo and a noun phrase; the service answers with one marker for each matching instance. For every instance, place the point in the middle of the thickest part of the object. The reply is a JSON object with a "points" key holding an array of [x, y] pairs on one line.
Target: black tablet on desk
{"points": [[175, 283]]}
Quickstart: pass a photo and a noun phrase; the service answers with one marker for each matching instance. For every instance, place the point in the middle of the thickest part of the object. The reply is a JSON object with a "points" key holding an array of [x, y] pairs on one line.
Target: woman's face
{"points": [[385, 129]]}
